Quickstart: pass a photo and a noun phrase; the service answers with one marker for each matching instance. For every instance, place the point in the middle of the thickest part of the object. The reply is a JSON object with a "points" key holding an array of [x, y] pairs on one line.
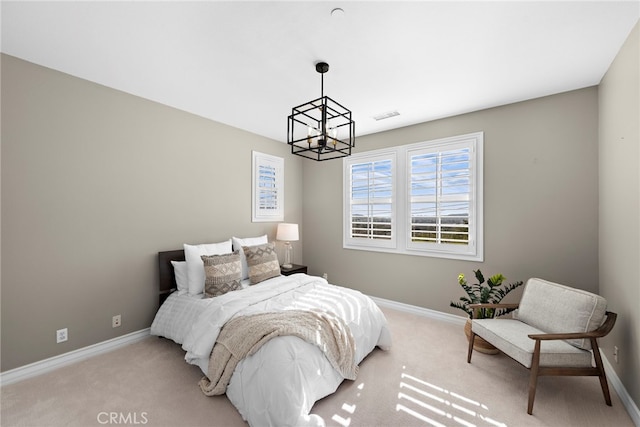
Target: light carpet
{"points": [[423, 380]]}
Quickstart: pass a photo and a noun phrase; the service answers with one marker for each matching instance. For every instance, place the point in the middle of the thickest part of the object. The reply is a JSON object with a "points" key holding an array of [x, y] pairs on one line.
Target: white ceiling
{"points": [[247, 63]]}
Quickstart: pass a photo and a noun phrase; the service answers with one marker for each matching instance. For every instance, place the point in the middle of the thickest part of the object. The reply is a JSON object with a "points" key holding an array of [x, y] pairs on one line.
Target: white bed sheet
{"points": [[278, 384]]}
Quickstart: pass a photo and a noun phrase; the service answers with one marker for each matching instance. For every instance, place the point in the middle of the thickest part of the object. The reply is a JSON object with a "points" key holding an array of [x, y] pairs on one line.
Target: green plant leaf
{"points": [[496, 280], [479, 276]]}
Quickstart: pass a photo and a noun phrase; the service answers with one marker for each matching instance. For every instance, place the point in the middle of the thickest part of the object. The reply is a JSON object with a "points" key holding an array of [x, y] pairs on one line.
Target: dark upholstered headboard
{"points": [[167, 276]]}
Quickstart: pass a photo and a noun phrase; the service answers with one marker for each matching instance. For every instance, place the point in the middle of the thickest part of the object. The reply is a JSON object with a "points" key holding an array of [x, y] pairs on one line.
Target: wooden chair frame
{"points": [[537, 370]]}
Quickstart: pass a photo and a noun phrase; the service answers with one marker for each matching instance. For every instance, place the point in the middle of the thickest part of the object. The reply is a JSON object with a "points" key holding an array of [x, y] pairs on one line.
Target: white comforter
{"points": [[278, 385]]}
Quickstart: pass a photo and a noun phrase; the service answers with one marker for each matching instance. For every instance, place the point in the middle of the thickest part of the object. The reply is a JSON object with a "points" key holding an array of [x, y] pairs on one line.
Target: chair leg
{"points": [[471, 339], [533, 378], [602, 376]]}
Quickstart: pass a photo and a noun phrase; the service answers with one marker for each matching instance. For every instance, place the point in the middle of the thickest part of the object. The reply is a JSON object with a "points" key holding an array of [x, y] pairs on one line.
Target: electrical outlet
{"points": [[116, 321], [615, 353], [61, 335]]}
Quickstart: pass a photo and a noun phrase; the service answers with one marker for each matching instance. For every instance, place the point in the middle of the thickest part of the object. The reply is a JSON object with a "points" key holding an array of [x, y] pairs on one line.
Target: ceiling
{"points": [[247, 63]]}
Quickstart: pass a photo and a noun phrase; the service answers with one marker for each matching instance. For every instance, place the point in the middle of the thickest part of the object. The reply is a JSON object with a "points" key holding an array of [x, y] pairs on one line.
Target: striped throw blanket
{"points": [[242, 336]]}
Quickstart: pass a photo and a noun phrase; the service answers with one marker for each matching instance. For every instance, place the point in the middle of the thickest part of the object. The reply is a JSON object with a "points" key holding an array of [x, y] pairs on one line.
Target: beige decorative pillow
{"points": [[262, 261], [222, 274]]}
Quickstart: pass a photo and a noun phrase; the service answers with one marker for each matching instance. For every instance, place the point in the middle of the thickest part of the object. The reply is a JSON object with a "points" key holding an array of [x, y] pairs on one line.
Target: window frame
{"points": [[275, 211], [401, 225]]}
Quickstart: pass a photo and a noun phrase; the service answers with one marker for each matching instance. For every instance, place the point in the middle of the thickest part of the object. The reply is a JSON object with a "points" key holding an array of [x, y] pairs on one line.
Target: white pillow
{"points": [[238, 243], [180, 271], [195, 266]]}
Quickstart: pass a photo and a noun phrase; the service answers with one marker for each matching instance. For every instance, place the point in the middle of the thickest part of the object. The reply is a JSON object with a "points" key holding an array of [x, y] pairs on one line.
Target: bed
{"points": [[279, 383]]}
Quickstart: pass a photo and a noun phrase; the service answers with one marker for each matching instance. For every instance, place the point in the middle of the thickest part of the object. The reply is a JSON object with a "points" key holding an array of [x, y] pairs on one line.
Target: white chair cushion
{"points": [[555, 308], [511, 337]]}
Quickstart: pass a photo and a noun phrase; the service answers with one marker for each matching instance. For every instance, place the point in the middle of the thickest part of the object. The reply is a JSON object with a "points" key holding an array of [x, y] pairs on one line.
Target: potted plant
{"points": [[493, 292]]}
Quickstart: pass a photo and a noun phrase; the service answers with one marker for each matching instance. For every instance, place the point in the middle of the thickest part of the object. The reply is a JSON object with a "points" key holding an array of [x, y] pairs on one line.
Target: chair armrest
{"points": [[597, 333]]}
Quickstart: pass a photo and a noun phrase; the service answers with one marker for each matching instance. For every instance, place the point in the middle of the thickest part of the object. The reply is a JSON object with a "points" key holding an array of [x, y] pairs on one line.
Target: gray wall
{"points": [[619, 96], [540, 204], [94, 183]]}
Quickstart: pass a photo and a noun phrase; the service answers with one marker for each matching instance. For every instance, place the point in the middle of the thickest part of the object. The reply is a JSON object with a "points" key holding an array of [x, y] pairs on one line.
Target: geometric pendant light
{"points": [[321, 129]]}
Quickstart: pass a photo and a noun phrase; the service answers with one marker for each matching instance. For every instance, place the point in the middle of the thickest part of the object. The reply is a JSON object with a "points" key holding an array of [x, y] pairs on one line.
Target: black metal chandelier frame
{"points": [[321, 129]]}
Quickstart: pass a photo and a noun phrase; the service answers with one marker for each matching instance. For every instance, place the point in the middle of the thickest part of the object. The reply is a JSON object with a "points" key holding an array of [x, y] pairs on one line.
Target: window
{"points": [[419, 199], [267, 188], [371, 216]]}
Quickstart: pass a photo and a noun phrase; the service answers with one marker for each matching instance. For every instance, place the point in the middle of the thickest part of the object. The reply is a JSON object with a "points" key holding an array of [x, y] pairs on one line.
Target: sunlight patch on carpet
{"points": [[440, 407], [350, 409]]}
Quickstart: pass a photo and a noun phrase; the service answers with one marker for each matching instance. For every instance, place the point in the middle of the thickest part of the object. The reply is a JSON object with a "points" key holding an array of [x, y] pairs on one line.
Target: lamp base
{"points": [[288, 255]]}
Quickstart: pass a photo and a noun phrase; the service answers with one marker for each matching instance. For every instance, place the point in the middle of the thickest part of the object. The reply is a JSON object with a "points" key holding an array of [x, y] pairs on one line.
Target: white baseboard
{"points": [[420, 311], [625, 398], [629, 404], [47, 365]]}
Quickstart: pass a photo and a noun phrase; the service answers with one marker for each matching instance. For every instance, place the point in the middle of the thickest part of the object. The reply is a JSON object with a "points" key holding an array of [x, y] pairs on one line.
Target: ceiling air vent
{"points": [[386, 115]]}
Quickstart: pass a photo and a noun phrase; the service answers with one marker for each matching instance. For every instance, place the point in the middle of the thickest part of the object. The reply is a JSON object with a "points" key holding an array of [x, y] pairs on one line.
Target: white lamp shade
{"points": [[287, 232]]}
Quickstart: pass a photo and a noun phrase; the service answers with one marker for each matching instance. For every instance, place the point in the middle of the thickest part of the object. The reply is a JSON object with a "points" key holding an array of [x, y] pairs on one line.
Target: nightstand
{"points": [[295, 268]]}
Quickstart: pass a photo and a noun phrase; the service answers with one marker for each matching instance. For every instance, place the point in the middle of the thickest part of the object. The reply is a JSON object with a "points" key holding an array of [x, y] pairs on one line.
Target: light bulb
{"points": [[309, 135]]}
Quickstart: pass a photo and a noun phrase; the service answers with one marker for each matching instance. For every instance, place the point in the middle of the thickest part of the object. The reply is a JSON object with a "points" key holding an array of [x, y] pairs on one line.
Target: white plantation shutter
{"points": [[267, 188], [441, 197], [371, 201], [419, 199]]}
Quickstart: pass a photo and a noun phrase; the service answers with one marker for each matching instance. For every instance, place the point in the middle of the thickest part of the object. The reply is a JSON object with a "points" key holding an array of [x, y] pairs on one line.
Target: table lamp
{"points": [[287, 233]]}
